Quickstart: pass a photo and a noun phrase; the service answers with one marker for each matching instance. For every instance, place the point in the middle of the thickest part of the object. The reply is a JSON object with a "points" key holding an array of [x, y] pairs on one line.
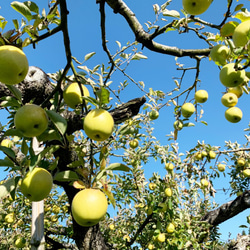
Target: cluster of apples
{"points": [[244, 166]]}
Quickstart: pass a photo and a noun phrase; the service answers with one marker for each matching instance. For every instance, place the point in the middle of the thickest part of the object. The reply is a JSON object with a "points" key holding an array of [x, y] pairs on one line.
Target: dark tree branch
{"points": [[228, 210], [147, 39]]}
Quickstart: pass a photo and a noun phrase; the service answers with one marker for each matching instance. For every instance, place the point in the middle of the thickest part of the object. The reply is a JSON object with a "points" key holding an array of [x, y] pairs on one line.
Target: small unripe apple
{"points": [[151, 246], [246, 172], [238, 91], [152, 186], [134, 143], [20, 242], [72, 94], [7, 143], [98, 124], [219, 54], [230, 77], [196, 7], [168, 192], [153, 114], [31, 120], [229, 99], [198, 156], [233, 114], [221, 167], [9, 218], [241, 34], [201, 96], [14, 65], [178, 125], [187, 109], [241, 162], [170, 228], [212, 154], [169, 166], [204, 183], [111, 226]]}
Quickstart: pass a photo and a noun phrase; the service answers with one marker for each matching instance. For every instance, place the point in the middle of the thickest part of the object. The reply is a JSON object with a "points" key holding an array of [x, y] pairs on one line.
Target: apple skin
{"points": [[89, 206], [9, 218], [169, 166], [7, 143], [72, 94], [219, 54], [238, 91], [153, 114], [14, 65], [98, 124], [168, 192], [204, 183], [134, 143], [229, 100], [31, 120], [187, 109], [233, 114], [178, 125], [20, 242], [161, 238], [241, 162], [229, 77], [246, 172], [152, 186], [201, 96], [212, 154], [241, 34], [37, 184], [221, 167], [196, 7], [170, 228]]}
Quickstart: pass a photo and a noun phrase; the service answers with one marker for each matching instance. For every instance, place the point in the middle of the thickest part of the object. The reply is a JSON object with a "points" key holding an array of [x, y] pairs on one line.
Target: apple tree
{"points": [[80, 125]]}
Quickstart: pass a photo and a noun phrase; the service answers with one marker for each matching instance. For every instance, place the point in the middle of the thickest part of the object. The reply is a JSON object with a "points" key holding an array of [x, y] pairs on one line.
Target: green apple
{"points": [[134, 143], [204, 183], [230, 77], [153, 114], [89, 206], [238, 91], [14, 65], [72, 94], [9, 218], [152, 186], [170, 228], [196, 7], [7, 143], [187, 109], [241, 34], [178, 125], [161, 237], [168, 192], [198, 156], [98, 124], [31, 120], [36, 184], [233, 114], [221, 167], [246, 172], [212, 154], [241, 162], [20, 242], [201, 96], [229, 99], [151, 246], [219, 54], [169, 166]]}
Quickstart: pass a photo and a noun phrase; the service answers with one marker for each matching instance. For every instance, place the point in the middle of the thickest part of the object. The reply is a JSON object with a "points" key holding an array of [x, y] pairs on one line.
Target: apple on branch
{"points": [[196, 7]]}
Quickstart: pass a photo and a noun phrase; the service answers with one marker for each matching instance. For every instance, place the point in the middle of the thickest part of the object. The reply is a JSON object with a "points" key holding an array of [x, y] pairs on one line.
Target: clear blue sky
{"points": [[157, 72]]}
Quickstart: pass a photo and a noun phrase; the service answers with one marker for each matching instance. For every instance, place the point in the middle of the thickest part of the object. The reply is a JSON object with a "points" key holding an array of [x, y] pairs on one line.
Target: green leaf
{"points": [[9, 101], [67, 175], [24, 147], [139, 56], [13, 132], [49, 135], [22, 9], [110, 196], [6, 162], [32, 6], [58, 121], [9, 152], [7, 187], [228, 28], [172, 13], [118, 166], [103, 95], [89, 55]]}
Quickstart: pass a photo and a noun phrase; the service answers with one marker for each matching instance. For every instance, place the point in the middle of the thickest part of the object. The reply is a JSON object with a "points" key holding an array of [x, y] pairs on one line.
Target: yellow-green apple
{"points": [[238, 91], [111, 226], [153, 114], [152, 186], [201, 96], [233, 114], [221, 167], [36, 184], [187, 109], [168, 192], [246, 172], [9, 218], [241, 34], [7, 143], [178, 125], [219, 54], [98, 124], [134, 143], [198, 156], [196, 7], [212, 154], [89, 206], [170, 228], [161, 237], [20, 242], [229, 99], [151, 246], [241, 162], [204, 183], [169, 166], [14, 65], [230, 77], [203, 153], [31, 120], [72, 94]]}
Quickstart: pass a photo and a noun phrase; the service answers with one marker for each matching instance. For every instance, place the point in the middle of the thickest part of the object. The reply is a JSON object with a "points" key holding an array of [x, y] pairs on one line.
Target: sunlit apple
{"points": [[219, 54], [238, 91], [153, 114], [196, 7], [241, 162], [169, 166], [7, 143], [168, 192], [178, 125], [201, 96], [170, 228], [204, 183], [20, 242], [187, 109], [134, 143], [31, 120], [212, 154], [89, 206], [241, 34], [161, 237], [14, 65], [233, 114], [221, 167], [246, 172], [152, 186], [229, 99]]}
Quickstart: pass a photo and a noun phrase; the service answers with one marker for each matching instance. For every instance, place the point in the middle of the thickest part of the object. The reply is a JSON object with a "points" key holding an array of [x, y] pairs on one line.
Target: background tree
{"points": [[172, 207]]}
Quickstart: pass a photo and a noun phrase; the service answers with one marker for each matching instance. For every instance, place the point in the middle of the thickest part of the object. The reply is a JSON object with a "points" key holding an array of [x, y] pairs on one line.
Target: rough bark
{"points": [[241, 243], [228, 210]]}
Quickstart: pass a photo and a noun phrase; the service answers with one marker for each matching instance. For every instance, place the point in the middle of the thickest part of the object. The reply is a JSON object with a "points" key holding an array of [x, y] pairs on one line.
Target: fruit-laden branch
{"points": [[145, 38], [228, 210]]}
